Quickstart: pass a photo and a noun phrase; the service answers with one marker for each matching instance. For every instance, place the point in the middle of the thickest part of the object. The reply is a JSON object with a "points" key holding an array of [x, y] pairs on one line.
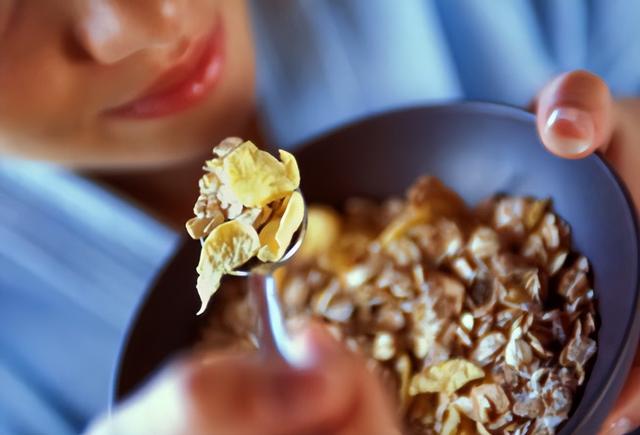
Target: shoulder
{"points": [[76, 238]]}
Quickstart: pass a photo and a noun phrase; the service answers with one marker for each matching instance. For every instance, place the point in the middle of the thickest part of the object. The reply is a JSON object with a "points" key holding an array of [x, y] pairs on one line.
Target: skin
{"points": [[612, 129], [64, 62], [60, 70], [235, 394]]}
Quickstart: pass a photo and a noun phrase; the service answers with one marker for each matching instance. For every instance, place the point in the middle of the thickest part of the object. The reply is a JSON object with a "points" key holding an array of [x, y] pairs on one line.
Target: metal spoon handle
{"points": [[274, 339]]}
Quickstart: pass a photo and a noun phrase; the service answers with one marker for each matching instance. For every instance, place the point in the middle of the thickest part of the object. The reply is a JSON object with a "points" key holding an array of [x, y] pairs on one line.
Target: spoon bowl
{"points": [[274, 341]]}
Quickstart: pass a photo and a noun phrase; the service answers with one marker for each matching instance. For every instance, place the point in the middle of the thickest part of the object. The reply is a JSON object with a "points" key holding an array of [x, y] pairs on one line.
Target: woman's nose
{"points": [[112, 30]]}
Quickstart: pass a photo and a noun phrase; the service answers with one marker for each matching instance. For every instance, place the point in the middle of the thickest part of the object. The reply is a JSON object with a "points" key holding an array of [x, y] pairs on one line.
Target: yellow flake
{"points": [[264, 216], [228, 246], [323, 229], [282, 206], [249, 189], [290, 167], [208, 284], [446, 377], [256, 177], [268, 243], [403, 223], [276, 235]]}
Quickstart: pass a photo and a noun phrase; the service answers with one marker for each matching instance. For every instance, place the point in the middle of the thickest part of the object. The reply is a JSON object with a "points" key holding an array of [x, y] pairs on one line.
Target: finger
{"points": [[626, 413], [369, 409], [243, 395], [373, 413], [257, 397], [158, 407], [574, 114]]}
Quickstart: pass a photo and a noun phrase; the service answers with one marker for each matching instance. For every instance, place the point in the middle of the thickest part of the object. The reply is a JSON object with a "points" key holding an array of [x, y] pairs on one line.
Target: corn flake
{"points": [[208, 283], [244, 191], [446, 377], [290, 167], [403, 223], [229, 246], [256, 177], [277, 233]]}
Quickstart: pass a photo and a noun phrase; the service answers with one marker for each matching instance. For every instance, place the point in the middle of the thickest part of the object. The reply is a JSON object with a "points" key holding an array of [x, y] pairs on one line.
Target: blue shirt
{"points": [[323, 63], [75, 259]]}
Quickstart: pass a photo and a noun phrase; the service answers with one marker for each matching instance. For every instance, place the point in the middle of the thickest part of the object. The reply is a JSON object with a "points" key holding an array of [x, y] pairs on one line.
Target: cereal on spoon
{"points": [[248, 207]]}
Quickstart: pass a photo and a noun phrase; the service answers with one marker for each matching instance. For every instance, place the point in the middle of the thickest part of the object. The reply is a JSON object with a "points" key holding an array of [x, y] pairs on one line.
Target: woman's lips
{"points": [[182, 86]]}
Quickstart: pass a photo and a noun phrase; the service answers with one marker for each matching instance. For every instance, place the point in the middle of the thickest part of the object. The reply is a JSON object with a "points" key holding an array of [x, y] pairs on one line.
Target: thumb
{"points": [[244, 394], [574, 115]]}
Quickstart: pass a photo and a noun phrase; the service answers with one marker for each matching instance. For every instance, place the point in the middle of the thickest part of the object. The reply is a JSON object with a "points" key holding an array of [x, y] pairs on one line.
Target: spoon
{"points": [[274, 340]]}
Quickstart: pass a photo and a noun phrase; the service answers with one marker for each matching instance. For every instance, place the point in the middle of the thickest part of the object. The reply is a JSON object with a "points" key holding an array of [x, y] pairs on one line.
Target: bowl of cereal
{"points": [[493, 286]]}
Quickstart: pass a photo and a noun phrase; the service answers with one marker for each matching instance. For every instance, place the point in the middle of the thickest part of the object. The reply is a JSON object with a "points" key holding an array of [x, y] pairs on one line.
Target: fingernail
{"points": [[308, 346], [620, 427], [569, 131], [299, 350]]}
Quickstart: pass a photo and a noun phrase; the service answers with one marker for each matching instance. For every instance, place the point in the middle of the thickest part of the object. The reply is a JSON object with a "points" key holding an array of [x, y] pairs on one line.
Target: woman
{"points": [[136, 93]]}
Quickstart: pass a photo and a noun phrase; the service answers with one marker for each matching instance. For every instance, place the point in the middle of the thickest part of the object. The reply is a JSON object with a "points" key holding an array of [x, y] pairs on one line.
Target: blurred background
{"points": [[108, 108]]}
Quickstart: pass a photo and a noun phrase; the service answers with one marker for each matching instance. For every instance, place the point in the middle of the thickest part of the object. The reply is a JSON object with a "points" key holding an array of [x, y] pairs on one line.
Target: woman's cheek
{"points": [[40, 89]]}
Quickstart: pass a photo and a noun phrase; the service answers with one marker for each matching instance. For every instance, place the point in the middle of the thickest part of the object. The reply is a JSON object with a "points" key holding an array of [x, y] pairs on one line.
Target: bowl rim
{"points": [[632, 328]]}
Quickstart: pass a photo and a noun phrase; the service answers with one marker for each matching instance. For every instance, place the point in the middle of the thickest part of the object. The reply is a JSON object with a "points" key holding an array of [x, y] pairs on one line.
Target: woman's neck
{"points": [[167, 193]]}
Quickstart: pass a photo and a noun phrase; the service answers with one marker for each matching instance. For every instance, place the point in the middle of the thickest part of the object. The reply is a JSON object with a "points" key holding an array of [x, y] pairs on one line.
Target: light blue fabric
{"points": [[322, 63], [74, 262], [74, 259]]}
